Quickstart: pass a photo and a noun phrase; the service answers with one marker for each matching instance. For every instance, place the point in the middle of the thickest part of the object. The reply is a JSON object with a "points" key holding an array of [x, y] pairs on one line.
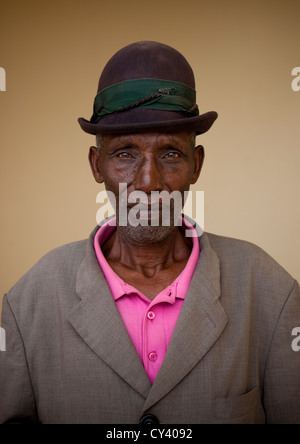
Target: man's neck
{"points": [[148, 258]]}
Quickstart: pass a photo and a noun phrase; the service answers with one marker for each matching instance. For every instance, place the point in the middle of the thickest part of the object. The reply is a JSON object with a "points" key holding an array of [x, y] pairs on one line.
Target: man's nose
{"points": [[149, 176]]}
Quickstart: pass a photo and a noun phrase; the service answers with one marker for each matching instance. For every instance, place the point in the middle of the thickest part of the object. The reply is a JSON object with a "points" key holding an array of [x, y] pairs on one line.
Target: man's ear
{"points": [[199, 155], [94, 164]]}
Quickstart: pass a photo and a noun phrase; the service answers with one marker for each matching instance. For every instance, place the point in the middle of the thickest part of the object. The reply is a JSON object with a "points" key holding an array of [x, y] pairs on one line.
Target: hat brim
{"points": [[142, 120]]}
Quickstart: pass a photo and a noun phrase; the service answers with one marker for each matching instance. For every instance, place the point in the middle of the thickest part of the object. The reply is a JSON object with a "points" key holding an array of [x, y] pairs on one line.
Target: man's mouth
{"points": [[151, 214]]}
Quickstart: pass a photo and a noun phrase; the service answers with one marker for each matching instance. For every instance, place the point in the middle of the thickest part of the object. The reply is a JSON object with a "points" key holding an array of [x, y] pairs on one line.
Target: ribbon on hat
{"points": [[145, 93]]}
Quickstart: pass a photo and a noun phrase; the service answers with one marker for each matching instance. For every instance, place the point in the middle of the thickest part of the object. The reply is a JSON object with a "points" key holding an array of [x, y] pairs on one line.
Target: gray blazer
{"points": [[69, 358]]}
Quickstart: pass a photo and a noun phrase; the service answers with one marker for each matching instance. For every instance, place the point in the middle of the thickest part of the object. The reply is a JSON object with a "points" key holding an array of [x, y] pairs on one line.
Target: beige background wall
{"points": [[242, 52]]}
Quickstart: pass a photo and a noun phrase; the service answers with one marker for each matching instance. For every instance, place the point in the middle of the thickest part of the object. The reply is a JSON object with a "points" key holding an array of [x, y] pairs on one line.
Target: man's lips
{"points": [[149, 207]]}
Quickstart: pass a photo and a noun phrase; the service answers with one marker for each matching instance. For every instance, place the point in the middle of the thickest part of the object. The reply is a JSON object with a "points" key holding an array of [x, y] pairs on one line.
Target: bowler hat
{"points": [[147, 86]]}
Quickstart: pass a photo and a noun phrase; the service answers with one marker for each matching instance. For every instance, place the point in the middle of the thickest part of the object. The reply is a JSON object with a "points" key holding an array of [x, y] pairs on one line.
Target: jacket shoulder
{"points": [[243, 258], [57, 267]]}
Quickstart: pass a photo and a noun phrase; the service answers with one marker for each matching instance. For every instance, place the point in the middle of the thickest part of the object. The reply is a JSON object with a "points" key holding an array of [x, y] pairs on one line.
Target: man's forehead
{"points": [[154, 137]]}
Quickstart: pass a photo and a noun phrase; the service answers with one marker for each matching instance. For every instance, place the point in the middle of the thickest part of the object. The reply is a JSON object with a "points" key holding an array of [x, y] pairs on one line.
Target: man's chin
{"points": [[146, 234]]}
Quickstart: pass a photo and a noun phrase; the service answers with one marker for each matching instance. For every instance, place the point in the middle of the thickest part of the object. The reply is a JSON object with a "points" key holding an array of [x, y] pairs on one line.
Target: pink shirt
{"points": [[150, 324]]}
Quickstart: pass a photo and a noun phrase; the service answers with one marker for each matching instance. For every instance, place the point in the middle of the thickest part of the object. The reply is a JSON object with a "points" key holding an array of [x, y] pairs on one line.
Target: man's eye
{"points": [[124, 155], [172, 155]]}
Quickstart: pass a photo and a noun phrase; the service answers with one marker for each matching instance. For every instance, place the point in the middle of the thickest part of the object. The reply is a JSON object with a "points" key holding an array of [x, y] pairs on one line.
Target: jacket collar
{"points": [[98, 322], [201, 322]]}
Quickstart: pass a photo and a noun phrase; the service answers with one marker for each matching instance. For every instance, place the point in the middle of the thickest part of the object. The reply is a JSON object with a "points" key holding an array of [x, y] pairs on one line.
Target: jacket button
{"points": [[149, 419]]}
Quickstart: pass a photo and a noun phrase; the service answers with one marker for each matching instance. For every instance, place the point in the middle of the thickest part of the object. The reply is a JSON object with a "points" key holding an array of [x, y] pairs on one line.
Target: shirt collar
{"points": [[116, 284], [119, 288]]}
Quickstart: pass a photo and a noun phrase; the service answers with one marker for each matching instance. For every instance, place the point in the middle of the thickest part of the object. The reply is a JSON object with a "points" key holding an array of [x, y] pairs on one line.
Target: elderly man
{"points": [[142, 323]]}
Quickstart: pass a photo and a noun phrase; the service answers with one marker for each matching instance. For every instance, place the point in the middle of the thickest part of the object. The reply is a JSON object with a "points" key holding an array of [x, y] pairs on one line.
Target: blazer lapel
{"points": [[201, 322], [98, 322]]}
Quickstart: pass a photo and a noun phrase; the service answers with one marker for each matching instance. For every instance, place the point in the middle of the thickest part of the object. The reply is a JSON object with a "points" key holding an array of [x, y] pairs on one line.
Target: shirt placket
{"points": [[154, 337]]}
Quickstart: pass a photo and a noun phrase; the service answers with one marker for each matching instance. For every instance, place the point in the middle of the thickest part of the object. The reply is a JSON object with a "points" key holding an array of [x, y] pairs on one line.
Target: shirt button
{"points": [[151, 315], [152, 356]]}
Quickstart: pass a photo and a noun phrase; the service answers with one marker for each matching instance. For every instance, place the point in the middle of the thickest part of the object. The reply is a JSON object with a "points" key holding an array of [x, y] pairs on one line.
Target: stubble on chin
{"points": [[147, 235]]}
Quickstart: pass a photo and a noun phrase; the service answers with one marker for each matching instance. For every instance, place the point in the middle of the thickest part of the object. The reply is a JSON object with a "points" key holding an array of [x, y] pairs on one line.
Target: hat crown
{"points": [[147, 59], [147, 86]]}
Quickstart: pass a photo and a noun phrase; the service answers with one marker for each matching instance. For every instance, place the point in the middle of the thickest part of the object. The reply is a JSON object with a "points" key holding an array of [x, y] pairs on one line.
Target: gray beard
{"points": [[146, 234], [151, 234]]}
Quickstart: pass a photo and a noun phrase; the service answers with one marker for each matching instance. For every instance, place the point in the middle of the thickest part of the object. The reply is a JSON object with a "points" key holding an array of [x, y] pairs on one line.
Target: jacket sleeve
{"points": [[17, 402], [282, 375]]}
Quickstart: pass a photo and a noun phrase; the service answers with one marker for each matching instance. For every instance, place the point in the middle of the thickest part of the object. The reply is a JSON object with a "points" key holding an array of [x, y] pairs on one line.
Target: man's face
{"points": [[147, 163]]}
